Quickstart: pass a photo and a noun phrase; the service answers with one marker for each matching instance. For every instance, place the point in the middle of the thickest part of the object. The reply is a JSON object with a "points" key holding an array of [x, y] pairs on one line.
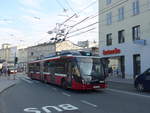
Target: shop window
{"points": [[136, 32], [121, 36], [109, 39]]}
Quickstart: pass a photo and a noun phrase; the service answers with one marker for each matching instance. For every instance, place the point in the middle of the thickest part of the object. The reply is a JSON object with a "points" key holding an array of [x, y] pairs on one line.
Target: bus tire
{"points": [[31, 77], [45, 80], [63, 84]]}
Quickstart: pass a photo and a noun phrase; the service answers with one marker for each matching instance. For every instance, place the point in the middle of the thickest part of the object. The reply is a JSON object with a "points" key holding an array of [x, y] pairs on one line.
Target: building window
{"points": [[136, 32], [148, 3], [121, 13], [109, 39], [108, 2], [121, 36], [109, 18], [136, 7], [32, 53]]}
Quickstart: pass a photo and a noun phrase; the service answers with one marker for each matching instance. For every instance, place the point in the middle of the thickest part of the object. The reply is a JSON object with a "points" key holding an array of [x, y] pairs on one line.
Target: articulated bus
{"points": [[70, 72]]}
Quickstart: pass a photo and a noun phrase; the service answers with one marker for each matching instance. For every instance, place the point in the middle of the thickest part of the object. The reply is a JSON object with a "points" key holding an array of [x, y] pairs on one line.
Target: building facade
{"points": [[124, 37], [8, 53], [39, 51], [45, 49], [22, 59], [67, 45]]}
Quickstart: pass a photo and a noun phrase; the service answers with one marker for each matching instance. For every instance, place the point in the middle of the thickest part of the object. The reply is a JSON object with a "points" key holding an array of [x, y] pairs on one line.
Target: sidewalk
{"points": [[5, 83], [120, 80]]}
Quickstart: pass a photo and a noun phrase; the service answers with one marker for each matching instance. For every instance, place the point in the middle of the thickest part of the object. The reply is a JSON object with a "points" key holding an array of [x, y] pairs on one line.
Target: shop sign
{"points": [[109, 52]]}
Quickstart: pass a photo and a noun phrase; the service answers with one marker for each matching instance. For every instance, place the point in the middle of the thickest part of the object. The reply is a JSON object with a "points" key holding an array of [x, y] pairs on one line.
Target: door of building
{"points": [[122, 66], [136, 64]]}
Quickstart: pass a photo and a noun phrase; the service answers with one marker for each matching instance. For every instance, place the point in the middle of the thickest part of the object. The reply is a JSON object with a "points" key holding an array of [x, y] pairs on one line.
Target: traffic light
{"points": [[16, 60]]}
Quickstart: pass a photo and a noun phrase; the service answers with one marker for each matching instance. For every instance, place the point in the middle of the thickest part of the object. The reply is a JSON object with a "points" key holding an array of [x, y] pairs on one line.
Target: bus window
{"points": [[49, 67], [37, 67], [60, 67], [45, 66], [76, 73]]}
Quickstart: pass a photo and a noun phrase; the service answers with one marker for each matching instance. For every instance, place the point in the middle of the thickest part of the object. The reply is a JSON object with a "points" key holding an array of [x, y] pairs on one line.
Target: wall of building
{"points": [[129, 47], [8, 53], [67, 45], [38, 51]]}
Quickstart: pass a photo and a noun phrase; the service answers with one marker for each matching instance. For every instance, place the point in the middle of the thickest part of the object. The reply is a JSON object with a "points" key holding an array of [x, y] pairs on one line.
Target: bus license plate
{"points": [[96, 87]]}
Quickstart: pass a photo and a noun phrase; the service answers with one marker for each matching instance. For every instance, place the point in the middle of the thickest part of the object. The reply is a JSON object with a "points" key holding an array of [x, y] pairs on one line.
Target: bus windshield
{"points": [[90, 67]]}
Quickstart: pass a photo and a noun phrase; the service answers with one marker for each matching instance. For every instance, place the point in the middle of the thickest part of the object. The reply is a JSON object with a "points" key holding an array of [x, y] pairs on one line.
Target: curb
{"points": [[7, 88], [120, 82]]}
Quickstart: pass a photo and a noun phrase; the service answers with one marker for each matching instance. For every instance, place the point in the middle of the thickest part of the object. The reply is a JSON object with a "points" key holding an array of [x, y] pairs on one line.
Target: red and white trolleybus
{"points": [[69, 71]]}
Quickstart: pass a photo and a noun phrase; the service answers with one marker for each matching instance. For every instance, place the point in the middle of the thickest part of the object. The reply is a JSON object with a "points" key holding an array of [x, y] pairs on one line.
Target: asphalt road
{"points": [[29, 96]]}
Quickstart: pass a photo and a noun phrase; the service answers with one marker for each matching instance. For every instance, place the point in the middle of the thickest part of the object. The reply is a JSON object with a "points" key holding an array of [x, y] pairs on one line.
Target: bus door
{"points": [[52, 71], [69, 74], [41, 71]]}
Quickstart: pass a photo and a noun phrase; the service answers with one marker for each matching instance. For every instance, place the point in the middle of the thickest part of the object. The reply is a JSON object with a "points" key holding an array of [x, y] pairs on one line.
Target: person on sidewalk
{"points": [[8, 73], [110, 71], [4, 70]]}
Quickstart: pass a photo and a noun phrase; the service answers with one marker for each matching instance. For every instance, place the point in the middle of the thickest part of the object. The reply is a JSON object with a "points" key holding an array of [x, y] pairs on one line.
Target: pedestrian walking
{"points": [[8, 73], [110, 71], [4, 71]]}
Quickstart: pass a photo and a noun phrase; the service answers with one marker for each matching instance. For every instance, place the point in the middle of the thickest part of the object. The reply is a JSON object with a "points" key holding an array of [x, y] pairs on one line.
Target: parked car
{"points": [[142, 81]]}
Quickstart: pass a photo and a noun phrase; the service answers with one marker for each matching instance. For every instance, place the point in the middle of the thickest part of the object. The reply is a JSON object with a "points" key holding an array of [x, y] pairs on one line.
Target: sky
{"points": [[26, 22]]}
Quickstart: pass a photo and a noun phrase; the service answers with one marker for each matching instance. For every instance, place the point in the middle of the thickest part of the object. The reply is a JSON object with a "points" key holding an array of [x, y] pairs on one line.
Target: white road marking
{"points": [[47, 109], [55, 89], [128, 93], [86, 102], [66, 94], [28, 81]]}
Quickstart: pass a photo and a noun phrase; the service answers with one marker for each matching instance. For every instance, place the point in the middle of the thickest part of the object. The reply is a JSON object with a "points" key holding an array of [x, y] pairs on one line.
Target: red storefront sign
{"points": [[109, 52]]}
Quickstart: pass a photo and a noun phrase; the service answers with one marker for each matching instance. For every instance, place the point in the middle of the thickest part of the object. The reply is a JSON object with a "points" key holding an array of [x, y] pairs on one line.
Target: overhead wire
{"points": [[91, 4], [84, 27], [60, 4], [93, 16], [70, 7], [129, 11], [99, 13], [81, 32]]}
